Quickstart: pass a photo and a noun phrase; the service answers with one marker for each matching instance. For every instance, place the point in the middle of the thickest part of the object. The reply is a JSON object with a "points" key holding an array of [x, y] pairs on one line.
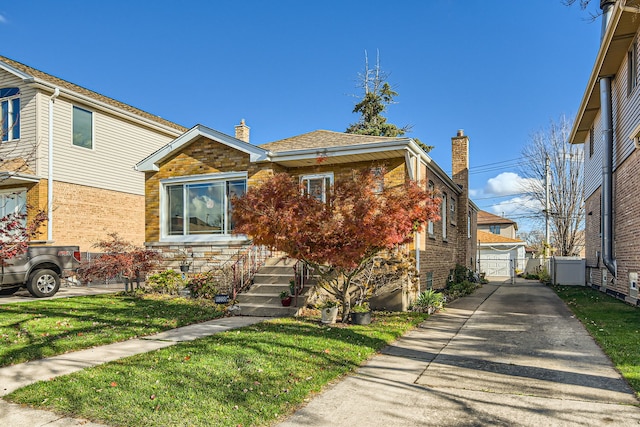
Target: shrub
{"points": [[457, 290], [460, 274], [428, 300], [168, 282], [203, 285], [544, 276]]}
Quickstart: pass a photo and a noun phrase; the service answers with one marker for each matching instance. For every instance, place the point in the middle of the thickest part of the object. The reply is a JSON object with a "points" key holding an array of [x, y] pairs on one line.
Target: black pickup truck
{"points": [[39, 269]]}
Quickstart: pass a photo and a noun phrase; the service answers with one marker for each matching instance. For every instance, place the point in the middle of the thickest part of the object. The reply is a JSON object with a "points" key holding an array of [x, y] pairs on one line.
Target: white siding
{"points": [[625, 114], [117, 146], [625, 118]]}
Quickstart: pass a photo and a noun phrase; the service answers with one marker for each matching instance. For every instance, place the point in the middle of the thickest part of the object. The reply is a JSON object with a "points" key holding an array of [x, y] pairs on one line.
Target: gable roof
{"points": [[486, 218], [151, 163], [324, 139], [32, 76], [621, 30], [485, 237]]}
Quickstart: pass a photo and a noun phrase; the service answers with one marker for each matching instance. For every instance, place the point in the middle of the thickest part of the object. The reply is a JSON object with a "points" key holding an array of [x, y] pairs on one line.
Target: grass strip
{"points": [[250, 376], [38, 329], [614, 325]]}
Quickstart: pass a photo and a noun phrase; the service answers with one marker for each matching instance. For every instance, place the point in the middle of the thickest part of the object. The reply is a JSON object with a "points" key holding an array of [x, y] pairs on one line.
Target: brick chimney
{"points": [[460, 176], [242, 131], [460, 160]]}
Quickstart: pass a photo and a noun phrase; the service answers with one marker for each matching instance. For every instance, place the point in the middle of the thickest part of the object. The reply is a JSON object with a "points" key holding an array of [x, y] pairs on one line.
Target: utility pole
{"points": [[547, 205]]}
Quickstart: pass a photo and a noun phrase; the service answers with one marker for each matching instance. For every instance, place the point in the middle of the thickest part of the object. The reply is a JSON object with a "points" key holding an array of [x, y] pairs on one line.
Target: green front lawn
{"points": [[38, 329], [614, 324], [248, 376]]}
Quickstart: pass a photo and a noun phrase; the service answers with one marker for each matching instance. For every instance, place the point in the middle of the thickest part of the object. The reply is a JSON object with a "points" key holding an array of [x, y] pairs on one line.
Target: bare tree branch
{"points": [[566, 184]]}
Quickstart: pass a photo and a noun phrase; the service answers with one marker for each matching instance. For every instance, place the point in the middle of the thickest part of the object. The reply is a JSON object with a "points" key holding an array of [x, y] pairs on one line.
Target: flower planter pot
{"points": [[184, 268], [361, 318], [286, 302], [329, 315]]}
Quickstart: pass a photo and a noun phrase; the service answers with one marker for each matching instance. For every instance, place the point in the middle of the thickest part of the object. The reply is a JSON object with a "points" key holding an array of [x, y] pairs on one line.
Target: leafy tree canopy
{"points": [[339, 237], [378, 94]]}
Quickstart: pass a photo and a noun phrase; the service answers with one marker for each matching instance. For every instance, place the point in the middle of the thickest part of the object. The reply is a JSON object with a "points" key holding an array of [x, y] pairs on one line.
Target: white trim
{"points": [[21, 75], [150, 164], [93, 127], [219, 239], [319, 176], [204, 178], [103, 106]]}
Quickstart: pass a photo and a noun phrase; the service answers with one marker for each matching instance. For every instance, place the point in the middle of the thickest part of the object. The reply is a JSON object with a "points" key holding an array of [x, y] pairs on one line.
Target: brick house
{"points": [[70, 152], [495, 224], [190, 180], [608, 126]]}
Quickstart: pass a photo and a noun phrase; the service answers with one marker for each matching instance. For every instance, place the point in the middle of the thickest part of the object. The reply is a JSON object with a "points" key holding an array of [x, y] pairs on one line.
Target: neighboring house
{"points": [[608, 123], [500, 253], [495, 224], [190, 181], [90, 188], [500, 256]]}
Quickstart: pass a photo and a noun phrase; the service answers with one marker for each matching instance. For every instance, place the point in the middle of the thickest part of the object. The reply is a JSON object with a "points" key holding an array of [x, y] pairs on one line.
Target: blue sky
{"points": [[499, 69]]}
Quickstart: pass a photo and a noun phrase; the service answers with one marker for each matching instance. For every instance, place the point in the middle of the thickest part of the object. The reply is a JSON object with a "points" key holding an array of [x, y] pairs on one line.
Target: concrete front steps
{"points": [[263, 298]]}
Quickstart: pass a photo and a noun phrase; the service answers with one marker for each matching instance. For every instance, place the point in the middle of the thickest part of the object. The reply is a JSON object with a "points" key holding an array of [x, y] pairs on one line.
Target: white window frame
{"points": [[197, 179], [11, 125], [20, 207], [93, 128], [322, 176], [632, 67]]}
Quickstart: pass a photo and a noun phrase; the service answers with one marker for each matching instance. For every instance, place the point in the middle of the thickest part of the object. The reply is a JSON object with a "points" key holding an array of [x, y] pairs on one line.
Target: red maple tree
{"points": [[339, 237], [16, 232], [118, 258]]}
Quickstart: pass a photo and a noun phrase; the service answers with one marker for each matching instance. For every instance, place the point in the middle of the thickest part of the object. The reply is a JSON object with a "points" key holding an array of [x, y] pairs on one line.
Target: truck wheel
{"points": [[9, 291], [43, 283]]}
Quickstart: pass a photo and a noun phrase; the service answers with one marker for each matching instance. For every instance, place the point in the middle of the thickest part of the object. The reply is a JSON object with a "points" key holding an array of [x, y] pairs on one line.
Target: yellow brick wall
{"points": [[395, 170], [203, 156], [83, 215]]}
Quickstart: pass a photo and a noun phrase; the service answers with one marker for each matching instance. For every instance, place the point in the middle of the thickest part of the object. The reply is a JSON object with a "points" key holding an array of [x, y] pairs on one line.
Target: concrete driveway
{"points": [[510, 355]]}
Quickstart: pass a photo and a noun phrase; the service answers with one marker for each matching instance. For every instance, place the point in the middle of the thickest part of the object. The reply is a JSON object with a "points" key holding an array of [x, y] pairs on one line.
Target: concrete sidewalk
{"points": [[17, 376], [509, 355]]}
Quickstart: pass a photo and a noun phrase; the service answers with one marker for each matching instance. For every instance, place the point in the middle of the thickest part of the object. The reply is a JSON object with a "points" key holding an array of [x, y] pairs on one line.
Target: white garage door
{"points": [[498, 265]]}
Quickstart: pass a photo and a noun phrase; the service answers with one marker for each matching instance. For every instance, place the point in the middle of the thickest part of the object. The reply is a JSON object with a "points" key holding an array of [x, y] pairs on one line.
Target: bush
{"points": [[460, 274], [427, 301], [457, 290], [544, 276], [168, 282], [203, 285]]}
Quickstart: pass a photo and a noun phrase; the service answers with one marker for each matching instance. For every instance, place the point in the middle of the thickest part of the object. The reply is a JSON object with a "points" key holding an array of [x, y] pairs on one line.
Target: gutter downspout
{"points": [[606, 109], [56, 93], [607, 175]]}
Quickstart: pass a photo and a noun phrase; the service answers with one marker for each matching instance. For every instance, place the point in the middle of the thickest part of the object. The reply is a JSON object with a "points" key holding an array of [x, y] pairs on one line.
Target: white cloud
{"points": [[516, 206], [508, 183], [3, 20]]}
